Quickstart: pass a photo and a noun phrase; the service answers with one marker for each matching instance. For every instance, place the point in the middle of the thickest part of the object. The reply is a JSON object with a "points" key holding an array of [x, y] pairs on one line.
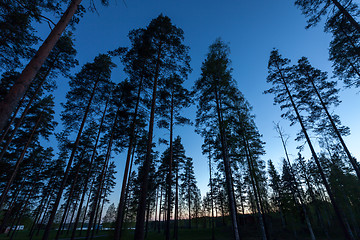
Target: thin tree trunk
{"points": [[140, 217], [227, 168], [352, 160], [147, 218], [17, 91], [120, 212], [343, 222], [86, 207], [68, 202], [68, 167], [212, 198], [89, 172], [252, 178], [17, 165], [161, 194], [169, 175], [101, 211], [176, 223], [102, 177], [297, 186]]}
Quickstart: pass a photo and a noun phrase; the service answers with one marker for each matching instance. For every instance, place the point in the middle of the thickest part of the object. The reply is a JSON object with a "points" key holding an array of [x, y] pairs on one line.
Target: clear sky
{"points": [[252, 29]]}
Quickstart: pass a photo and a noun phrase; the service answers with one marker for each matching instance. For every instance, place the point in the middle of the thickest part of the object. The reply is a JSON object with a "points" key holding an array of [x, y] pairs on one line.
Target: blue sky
{"points": [[252, 29]]}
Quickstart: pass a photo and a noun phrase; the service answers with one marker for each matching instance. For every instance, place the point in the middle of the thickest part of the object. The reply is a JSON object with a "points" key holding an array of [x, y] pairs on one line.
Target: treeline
{"points": [[62, 191]]}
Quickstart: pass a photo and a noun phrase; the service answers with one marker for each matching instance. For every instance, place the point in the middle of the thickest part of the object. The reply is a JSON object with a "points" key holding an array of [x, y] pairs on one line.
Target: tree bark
{"points": [[17, 91]]}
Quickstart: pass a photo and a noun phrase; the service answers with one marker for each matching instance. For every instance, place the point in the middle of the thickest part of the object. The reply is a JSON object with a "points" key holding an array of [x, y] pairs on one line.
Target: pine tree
{"points": [[188, 188], [314, 10], [280, 75], [168, 54], [320, 94], [10, 101], [214, 89], [79, 98]]}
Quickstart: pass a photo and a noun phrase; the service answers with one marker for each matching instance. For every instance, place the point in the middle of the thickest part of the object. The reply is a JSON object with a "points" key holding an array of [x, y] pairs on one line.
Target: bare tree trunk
{"points": [[212, 199], [17, 91], [228, 178], [86, 207], [68, 202], [161, 194], [140, 216], [176, 222], [169, 175]]}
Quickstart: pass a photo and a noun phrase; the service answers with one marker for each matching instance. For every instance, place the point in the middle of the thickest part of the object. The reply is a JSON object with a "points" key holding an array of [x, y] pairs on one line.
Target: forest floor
{"points": [[221, 233]]}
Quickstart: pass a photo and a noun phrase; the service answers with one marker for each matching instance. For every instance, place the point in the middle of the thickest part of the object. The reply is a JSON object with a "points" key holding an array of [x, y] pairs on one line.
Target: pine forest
{"points": [[179, 120]]}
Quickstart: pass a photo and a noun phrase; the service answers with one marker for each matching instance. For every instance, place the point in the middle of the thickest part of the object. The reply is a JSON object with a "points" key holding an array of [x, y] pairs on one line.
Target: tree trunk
{"points": [[176, 222], [120, 212], [17, 91], [86, 207], [225, 157], [343, 222], [352, 160], [18, 124], [68, 167], [89, 172], [169, 176], [102, 177], [347, 15], [297, 187], [68, 202], [140, 216], [255, 190], [212, 199], [161, 194]]}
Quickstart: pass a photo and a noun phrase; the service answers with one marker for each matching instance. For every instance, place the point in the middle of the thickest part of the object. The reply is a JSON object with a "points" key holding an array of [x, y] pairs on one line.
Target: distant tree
{"points": [[110, 215], [276, 186], [188, 188]]}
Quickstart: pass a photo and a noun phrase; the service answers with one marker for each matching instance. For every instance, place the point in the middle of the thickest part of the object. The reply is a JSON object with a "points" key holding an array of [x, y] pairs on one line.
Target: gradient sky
{"points": [[252, 29]]}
